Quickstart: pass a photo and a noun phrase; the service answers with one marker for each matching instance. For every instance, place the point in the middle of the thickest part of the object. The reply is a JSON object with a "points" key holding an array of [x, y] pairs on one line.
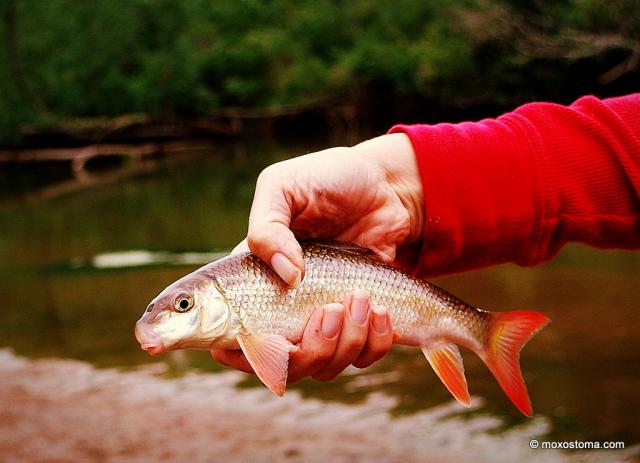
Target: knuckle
{"points": [[306, 363], [367, 359], [377, 349], [354, 346], [219, 357], [319, 361], [256, 237], [363, 362], [260, 240], [293, 378], [269, 172], [322, 357], [265, 174], [325, 377]]}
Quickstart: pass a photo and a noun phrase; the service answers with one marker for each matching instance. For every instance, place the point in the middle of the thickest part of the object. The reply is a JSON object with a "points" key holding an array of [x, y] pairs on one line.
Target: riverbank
{"points": [[64, 410]]}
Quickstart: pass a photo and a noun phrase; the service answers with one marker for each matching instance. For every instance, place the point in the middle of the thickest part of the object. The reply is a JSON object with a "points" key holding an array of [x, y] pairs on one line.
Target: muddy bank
{"points": [[62, 410]]}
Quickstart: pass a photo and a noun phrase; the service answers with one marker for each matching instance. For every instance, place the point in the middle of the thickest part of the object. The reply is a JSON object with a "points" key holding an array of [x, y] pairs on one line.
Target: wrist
{"points": [[393, 156]]}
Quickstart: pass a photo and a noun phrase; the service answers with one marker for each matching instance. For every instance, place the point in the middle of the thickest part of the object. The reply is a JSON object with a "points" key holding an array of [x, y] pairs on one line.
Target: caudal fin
{"points": [[508, 333]]}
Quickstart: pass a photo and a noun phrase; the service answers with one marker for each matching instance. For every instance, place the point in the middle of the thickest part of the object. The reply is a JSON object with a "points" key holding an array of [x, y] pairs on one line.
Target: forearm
{"points": [[515, 189]]}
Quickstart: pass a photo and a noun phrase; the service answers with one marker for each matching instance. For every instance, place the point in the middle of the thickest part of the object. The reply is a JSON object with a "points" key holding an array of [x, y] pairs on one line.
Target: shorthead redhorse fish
{"points": [[238, 302]]}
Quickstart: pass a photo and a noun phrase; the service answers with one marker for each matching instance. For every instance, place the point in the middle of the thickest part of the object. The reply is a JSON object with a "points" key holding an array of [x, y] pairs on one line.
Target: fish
{"points": [[239, 302]]}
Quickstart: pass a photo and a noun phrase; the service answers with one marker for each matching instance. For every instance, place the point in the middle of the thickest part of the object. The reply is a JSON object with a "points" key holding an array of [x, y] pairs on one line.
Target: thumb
{"points": [[269, 236], [275, 244]]}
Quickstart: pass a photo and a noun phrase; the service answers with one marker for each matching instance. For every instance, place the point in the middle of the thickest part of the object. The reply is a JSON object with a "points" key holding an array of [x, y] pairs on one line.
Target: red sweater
{"points": [[516, 188]]}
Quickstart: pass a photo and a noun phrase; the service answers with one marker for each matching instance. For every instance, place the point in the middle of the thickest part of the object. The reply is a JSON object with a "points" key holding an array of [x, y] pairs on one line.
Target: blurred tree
{"points": [[65, 59]]}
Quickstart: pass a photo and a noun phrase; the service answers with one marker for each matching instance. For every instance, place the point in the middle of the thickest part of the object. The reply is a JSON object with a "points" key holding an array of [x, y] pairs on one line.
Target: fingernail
{"points": [[331, 320], [379, 318], [359, 306], [286, 270]]}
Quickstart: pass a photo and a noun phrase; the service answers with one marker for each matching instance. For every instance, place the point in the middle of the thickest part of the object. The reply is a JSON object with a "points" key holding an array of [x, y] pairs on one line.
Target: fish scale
{"points": [[239, 302], [419, 310]]}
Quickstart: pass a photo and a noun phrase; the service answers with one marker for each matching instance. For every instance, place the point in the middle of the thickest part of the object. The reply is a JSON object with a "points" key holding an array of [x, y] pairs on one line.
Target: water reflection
{"points": [[77, 271], [224, 423]]}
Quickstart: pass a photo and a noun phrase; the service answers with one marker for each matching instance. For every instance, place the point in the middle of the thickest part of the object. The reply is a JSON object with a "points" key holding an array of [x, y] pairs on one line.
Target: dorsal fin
{"points": [[338, 246]]}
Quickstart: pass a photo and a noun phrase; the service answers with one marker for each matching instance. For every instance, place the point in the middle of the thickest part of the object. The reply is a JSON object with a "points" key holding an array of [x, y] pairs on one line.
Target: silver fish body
{"points": [[422, 313], [238, 302]]}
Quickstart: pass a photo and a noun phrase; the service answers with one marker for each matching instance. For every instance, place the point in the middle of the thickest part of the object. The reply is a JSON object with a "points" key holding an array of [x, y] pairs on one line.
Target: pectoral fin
{"points": [[268, 354], [446, 361]]}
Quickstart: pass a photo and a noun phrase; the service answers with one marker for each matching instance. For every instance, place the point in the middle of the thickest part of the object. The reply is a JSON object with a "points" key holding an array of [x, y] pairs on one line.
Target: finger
{"points": [[275, 244], [242, 246], [379, 339], [232, 358], [319, 342], [269, 236], [352, 337]]}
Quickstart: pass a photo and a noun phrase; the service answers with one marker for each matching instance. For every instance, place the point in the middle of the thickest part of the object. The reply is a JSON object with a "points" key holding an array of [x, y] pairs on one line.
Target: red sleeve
{"points": [[516, 188]]}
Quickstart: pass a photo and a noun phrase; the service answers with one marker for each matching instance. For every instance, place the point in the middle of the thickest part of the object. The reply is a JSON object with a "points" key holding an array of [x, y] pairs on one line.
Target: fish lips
{"points": [[153, 349], [149, 340]]}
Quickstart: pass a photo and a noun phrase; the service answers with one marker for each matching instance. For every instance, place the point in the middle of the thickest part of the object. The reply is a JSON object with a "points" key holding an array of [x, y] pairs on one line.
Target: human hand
{"points": [[336, 335], [370, 194]]}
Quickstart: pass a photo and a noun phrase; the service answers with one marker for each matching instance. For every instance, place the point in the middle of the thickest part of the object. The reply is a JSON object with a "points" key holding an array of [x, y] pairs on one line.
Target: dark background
{"points": [[228, 68]]}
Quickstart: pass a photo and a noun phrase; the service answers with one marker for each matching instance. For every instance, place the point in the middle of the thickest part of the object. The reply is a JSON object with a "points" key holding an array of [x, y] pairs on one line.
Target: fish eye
{"points": [[183, 303]]}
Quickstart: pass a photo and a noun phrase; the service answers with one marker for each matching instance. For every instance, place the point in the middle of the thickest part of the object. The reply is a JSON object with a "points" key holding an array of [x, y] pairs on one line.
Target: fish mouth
{"points": [[153, 348], [148, 339]]}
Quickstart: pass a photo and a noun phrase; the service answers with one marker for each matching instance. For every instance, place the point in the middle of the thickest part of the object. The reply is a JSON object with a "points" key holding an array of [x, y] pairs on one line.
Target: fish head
{"points": [[191, 313]]}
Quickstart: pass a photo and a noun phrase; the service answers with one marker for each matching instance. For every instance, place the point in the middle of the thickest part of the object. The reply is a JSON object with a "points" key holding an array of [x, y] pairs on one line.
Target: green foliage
{"points": [[65, 58]]}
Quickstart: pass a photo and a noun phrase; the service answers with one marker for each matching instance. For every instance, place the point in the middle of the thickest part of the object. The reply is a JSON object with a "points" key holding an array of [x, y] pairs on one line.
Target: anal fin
{"points": [[446, 361], [268, 355]]}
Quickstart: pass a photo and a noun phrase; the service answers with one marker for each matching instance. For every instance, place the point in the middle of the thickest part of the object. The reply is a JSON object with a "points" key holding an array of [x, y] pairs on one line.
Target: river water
{"points": [[77, 270]]}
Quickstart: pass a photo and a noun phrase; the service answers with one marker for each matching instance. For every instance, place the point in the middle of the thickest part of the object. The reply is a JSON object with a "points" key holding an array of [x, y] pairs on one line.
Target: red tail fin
{"points": [[508, 333]]}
